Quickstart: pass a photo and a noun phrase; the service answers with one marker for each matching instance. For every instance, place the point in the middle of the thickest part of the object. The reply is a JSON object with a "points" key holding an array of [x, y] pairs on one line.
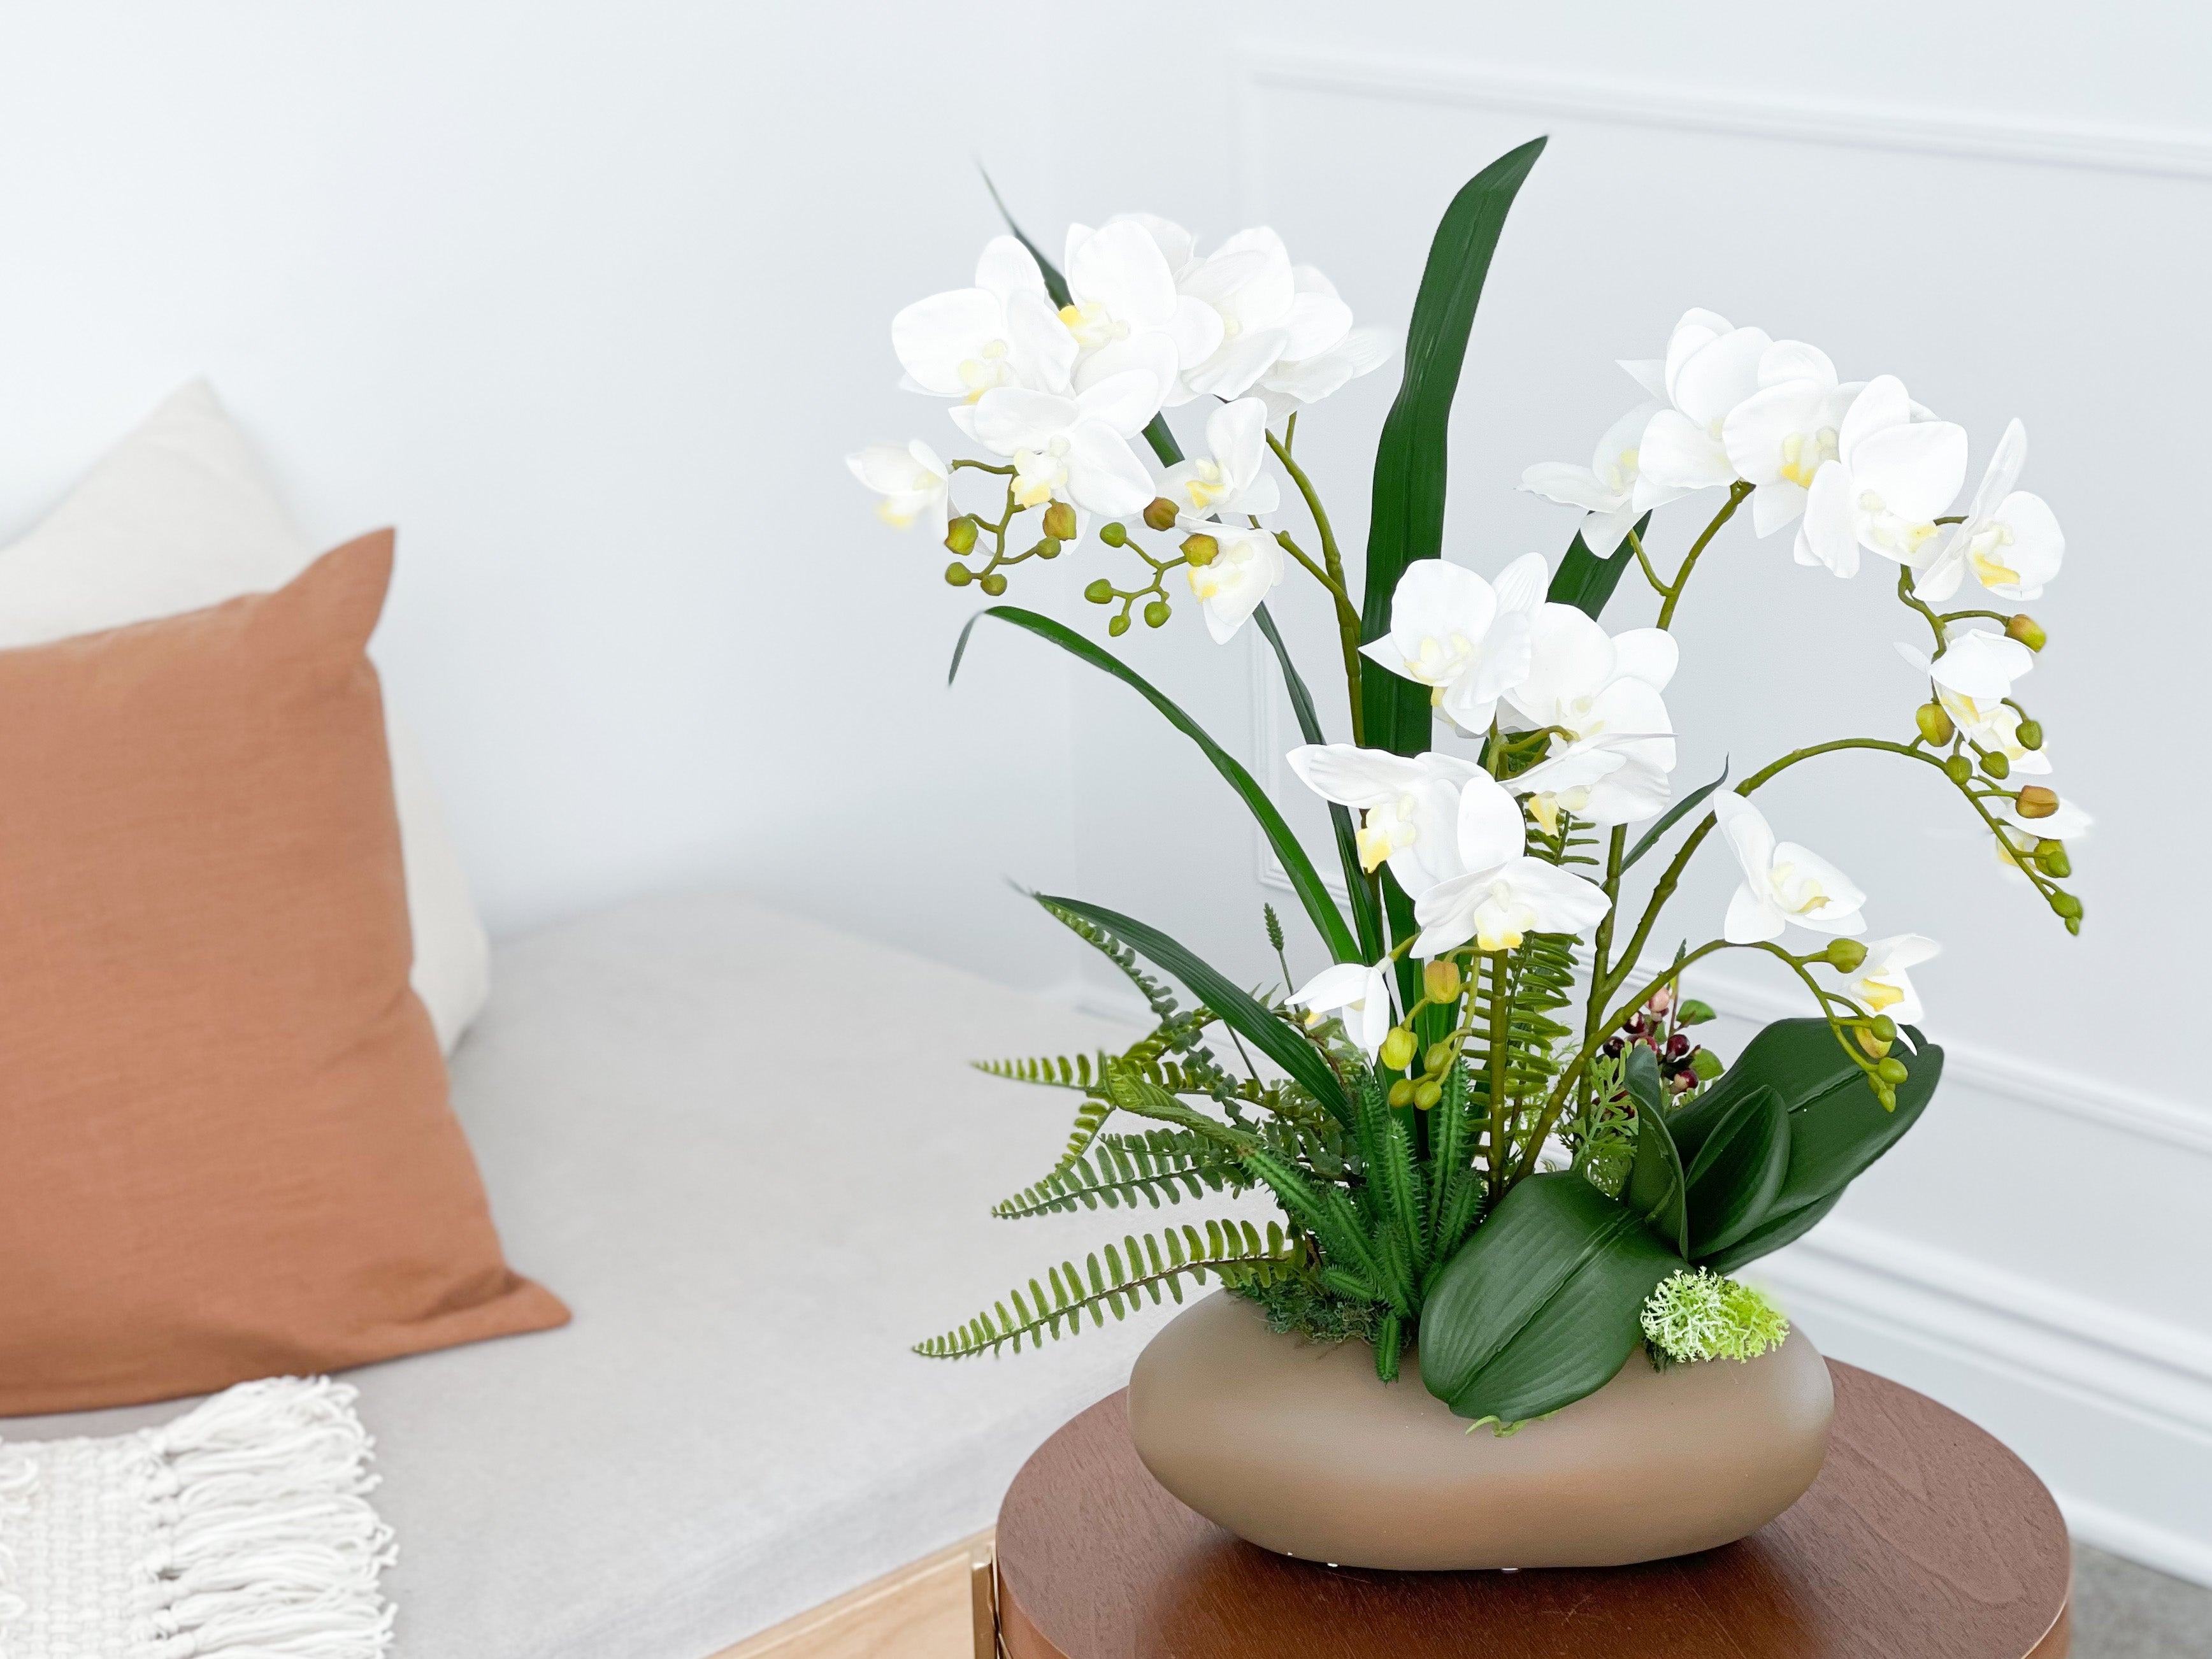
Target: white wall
{"points": [[590, 299]]}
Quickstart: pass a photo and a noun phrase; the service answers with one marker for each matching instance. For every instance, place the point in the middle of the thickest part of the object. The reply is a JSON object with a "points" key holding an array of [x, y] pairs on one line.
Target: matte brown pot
{"points": [[1296, 1447]]}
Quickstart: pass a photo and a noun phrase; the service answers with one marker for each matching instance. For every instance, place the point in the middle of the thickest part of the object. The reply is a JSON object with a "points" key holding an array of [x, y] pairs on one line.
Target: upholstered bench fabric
{"points": [[749, 1151]]}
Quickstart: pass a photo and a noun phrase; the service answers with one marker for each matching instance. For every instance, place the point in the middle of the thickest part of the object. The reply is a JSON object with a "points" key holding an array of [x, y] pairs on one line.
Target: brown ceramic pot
{"points": [[1296, 1447]]}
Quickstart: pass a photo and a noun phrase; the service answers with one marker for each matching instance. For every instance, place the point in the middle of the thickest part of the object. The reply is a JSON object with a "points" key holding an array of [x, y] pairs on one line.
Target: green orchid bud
{"points": [[1883, 1027], [958, 574], [1060, 522], [1885, 1096], [1159, 513], [1935, 723], [1155, 613], [1426, 1094], [993, 584], [1845, 954], [1694, 1012], [2029, 632], [2029, 734], [1441, 982], [2067, 906], [1706, 1064], [1402, 1093], [1200, 549], [1438, 1057], [1048, 548], [2050, 858], [1117, 626], [960, 535], [1399, 1048], [2035, 801], [1114, 532], [1877, 1047], [1996, 766], [1959, 770], [2074, 926], [1100, 591], [1892, 1071]]}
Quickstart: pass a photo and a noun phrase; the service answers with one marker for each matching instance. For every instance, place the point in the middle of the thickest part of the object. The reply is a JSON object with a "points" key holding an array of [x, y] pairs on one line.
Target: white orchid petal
{"points": [[1490, 829]]}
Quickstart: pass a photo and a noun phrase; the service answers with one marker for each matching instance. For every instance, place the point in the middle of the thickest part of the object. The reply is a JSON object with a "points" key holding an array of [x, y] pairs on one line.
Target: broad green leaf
{"points": [[1672, 816], [1364, 915], [1656, 1187], [1408, 518], [1738, 1173], [1586, 581], [1236, 1007], [1305, 880], [1539, 1307], [1771, 1235]]}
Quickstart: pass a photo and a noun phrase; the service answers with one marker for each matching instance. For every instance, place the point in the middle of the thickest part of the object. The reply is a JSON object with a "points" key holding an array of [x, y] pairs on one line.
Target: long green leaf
{"points": [[1364, 915], [1657, 1189], [1235, 1006], [1672, 816], [1408, 518], [1305, 880], [1586, 581], [1771, 1235], [1539, 1307], [1738, 1173]]}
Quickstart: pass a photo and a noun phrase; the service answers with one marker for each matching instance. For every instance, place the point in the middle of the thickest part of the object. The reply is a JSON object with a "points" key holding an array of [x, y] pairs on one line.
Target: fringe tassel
{"points": [[270, 1549]]}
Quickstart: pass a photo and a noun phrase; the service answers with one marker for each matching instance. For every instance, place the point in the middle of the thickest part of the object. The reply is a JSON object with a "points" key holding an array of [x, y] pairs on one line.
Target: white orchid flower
{"points": [[1893, 474], [1783, 882], [1606, 489], [1306, 373], [1409, 807], [1973, 678], [1360, 993], [1566, 780], [1603, 692], [2017, 837], [1453, 632], [1778, 438], [1123, 310], [1710, 367], [1881, 986], [1003, 332], [1234, 583], [913, 483], [1234, 479], [2009, 542], [1071, 448], [1504, 895]]}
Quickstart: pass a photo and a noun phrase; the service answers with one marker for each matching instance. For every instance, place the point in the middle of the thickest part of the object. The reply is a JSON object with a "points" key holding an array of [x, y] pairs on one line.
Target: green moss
{"points": [[1704, 1316], [1311, 1310]]}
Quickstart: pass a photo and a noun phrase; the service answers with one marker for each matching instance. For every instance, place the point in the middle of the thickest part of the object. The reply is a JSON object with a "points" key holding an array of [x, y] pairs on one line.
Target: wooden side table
{"points": [[1922, 1539]]}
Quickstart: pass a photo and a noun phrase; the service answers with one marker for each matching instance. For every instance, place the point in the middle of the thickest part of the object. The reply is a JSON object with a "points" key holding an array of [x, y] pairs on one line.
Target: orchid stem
{"points": [[1739, 492], [1347, 614]]}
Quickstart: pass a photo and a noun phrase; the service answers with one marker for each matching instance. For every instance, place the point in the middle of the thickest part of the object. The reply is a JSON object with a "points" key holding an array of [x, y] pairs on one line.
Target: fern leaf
{"points": [[1158, 1166]]}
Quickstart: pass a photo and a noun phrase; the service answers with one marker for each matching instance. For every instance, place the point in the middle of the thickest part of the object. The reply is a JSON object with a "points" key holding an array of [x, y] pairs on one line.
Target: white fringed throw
{"points": [[239, 1531]]}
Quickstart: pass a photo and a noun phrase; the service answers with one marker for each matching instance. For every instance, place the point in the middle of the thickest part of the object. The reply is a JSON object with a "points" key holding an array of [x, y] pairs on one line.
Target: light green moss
{"points": [[1704, 1316]]}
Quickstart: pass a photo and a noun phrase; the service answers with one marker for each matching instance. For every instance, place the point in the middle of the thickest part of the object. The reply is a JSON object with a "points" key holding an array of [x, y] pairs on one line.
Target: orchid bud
{"points": [[1883, 1027], [2051, 858], [1959, 770], [1876, 1047], [1436, 1059], [1694, 1012], [1200, 549], [1100, 591], [1935, 723], [1117, 626], [2067, 906], [1155, 613], [1997, 765], [1060, 522], [1399, 1047], [993, 584], [1159, 513], [1892, 1071], [2035, 801], [1426, 1094], [1048, 548], [2029, 734], [1885, 1096], [1114, 532], [1845, 954], [958, 574], [2025, 628], [1440, 981], [1402, 1093], [960, 535]]}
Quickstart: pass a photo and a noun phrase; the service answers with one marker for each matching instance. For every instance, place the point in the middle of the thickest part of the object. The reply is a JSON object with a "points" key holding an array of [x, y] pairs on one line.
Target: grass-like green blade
{"points": [[1672, 816], [1363, 912], [1237, 1008], [1656, 1188], [1157, 434], [1408, 519], [1586, 581], [1305, 880]]}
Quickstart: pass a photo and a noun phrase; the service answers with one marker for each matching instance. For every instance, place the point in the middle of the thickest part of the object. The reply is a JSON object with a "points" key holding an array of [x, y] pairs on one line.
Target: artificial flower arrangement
{"points": [[1487, 1122]]}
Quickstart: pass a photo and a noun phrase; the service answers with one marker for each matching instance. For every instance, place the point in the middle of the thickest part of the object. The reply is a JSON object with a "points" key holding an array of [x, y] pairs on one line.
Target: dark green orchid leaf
{"points": [[1539, 1307], [1586, 581], [1656, 1185], [1738, 1172], [1672, 816], [1770, 1235]]}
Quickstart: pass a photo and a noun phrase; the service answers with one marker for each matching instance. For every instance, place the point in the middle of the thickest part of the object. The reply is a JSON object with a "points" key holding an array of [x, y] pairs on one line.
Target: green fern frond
{"points": [[1233, 1251], [1124, 957], [1054, 1071], [1157, 1165]]}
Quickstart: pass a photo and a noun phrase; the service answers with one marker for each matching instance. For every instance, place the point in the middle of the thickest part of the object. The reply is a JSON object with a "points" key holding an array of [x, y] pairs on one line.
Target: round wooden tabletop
{"points": [[1922, 1539]]}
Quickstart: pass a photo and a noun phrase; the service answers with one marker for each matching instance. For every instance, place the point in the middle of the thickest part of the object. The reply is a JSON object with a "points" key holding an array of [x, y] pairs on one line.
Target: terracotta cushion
{"points": [[225, 1146]]}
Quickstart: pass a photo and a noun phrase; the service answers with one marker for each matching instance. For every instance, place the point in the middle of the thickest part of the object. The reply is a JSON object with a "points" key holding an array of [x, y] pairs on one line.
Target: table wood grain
{"points": [[1922, 1539]]}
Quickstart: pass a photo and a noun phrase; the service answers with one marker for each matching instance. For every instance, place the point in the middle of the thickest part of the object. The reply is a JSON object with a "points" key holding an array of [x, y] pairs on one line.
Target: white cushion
{"points": [[181, 515], [751, 1153]]}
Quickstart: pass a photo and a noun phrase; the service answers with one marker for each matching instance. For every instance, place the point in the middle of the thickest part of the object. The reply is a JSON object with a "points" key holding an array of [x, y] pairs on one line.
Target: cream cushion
{"points": [[181, 515]]}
